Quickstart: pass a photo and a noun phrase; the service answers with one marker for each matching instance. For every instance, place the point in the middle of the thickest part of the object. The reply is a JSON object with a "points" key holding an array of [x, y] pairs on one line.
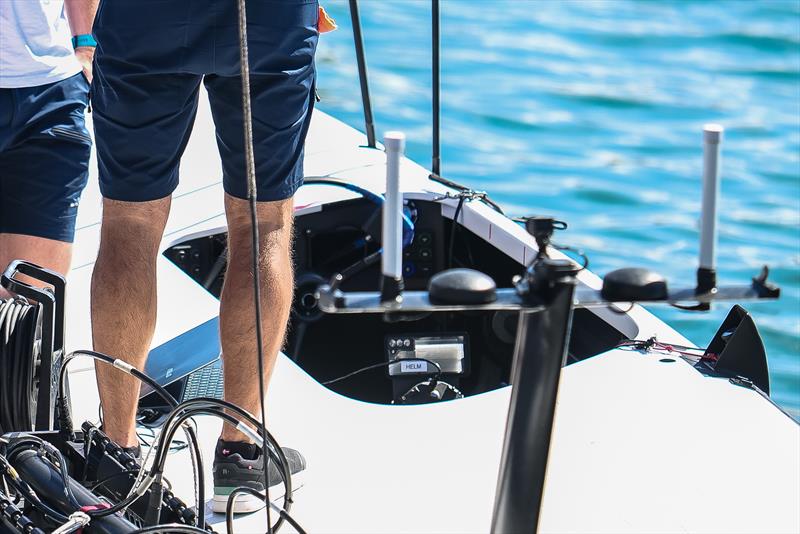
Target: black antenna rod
{"points": [[436, 165], [362, 73]]}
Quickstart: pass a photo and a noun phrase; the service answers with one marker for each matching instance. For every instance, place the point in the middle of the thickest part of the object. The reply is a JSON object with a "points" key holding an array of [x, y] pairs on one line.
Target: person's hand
{"points": [[85, 54]]}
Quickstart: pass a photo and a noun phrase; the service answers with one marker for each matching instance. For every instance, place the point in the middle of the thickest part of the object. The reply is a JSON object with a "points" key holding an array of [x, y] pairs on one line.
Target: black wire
{"points": [[106, 480], [24, 374], [250, 491], [384, 364], [163, 393], [191, 435], [149, 439], [579, 252], [200, 406], [453, 230], [274, 449], [187, 409], [201, 480]]}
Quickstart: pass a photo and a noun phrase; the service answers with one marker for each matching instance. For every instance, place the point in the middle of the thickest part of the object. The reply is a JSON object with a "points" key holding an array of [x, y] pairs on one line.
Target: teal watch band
{"points": [[83, 40]]}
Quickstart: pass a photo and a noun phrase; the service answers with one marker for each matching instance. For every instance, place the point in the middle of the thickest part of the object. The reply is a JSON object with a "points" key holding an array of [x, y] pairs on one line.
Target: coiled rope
{"points": [[19, 364]]}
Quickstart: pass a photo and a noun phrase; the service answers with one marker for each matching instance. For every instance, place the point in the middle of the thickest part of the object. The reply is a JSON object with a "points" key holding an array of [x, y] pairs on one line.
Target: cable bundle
{"points": [[18, 364]]}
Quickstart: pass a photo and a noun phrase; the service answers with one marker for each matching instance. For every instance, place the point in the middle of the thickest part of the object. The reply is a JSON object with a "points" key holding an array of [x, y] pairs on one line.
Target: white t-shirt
{"points": [[35, 43]]}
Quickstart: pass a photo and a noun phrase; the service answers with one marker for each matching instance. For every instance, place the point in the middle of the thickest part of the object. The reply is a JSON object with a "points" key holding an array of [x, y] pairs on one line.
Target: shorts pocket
{"points": [[71, 135]]}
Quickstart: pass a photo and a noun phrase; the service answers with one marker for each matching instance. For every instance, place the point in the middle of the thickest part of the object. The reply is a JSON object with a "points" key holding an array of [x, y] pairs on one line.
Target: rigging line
{"points": [[363, 79], [250, 170], [436, 164]]}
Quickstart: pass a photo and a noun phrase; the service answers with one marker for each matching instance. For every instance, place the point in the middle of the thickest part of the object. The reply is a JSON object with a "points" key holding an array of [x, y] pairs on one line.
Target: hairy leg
{"points": [[47, 253], [237, 311], [124, 305]]}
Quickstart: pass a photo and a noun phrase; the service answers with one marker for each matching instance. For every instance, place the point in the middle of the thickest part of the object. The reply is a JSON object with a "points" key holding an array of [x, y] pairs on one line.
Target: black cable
{"points": [[23, 375], [163, 393], [200, 406], [191, 435], [117, 363], [103, 481], [453, 230], [384, 364], [250, 491], [579, 252], [270, 447], [197, 464], [149, 439], [202, 403], [252, 195], [18, 320]]}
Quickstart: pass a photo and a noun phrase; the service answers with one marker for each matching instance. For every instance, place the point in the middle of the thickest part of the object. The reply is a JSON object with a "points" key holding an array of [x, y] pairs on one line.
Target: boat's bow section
{"points": [[642, 442], [645, 443]]}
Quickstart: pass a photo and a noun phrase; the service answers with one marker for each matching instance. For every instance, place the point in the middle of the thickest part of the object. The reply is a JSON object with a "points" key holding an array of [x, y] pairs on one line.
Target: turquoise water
{"points": [[592, 111]]}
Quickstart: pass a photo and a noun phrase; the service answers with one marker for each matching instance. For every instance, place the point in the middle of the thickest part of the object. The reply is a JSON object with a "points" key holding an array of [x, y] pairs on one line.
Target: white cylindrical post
{"points": [[706, 273], [392, 258]]}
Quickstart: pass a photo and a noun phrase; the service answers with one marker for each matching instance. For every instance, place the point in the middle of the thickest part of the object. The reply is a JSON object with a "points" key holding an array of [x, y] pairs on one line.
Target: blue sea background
{"points": [[592, 111]]}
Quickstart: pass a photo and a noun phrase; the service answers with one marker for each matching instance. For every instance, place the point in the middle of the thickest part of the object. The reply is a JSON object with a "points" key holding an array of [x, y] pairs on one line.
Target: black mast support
{"points": [[435, 71], [369, 123], [540, 353]]}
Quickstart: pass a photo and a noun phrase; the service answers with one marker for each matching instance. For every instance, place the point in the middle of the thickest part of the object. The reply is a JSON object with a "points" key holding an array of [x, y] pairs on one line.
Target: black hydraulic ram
{"points": [[46, 481]]}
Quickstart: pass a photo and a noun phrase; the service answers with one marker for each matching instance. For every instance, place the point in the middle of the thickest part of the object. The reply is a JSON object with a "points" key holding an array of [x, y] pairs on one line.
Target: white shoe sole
{"points": [[246, 503]]}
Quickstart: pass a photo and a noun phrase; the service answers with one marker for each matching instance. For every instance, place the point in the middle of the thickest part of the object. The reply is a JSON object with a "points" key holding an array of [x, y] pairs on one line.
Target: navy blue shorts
{"points": [[44, 158], [152, 56]]}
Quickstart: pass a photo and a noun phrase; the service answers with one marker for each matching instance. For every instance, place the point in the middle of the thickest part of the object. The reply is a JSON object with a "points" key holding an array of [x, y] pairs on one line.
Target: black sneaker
{"points": [[135, 451], [242, 464]]}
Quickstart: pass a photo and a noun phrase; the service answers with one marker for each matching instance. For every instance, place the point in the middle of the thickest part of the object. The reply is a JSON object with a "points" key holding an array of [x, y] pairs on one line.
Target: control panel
{"points": [[448, 351]]}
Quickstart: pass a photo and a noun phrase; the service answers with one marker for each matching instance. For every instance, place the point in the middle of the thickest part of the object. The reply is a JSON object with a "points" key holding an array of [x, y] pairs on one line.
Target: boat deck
{"points": [[640, 444]]}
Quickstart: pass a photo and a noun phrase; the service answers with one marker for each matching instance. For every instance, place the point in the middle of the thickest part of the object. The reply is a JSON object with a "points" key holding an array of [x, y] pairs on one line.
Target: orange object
{"points": [[326, 23]]}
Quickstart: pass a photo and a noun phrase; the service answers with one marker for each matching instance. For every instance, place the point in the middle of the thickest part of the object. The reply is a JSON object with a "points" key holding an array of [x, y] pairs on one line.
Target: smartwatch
{"points": [[85, 39]]}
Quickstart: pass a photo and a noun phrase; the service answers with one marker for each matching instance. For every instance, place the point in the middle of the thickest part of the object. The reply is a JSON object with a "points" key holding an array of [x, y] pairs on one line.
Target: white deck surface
{"points": [[639, 446]]}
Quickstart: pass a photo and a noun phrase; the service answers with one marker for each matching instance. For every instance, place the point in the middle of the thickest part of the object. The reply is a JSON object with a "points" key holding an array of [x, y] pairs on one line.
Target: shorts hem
{"points": [[128, 196], [284, 192], [66, 236]]}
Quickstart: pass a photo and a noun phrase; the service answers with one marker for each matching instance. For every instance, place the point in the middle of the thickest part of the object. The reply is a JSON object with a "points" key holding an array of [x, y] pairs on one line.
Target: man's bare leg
{"points": [[237, 311], [47, 253], [124, 305]]}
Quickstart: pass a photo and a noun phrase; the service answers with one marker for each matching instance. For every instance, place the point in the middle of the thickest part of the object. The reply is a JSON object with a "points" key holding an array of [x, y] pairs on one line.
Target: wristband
{"points": [[85, 39]]}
